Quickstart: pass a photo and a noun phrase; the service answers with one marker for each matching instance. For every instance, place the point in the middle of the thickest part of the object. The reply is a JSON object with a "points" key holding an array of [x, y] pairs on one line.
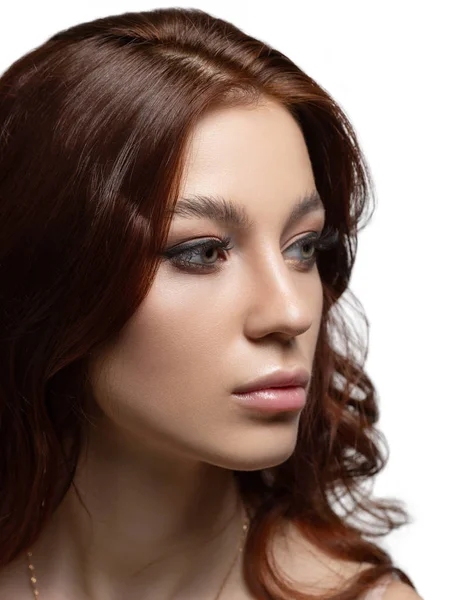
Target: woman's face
{"points": [[229, 316]]}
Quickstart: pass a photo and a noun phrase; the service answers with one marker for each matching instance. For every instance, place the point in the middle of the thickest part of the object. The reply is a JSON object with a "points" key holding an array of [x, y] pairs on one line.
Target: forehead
{"points": [[261, 141], [244, 160]]}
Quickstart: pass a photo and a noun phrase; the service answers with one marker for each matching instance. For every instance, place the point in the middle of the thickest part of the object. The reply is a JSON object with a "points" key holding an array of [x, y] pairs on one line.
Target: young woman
{"points": [[179, 209]]}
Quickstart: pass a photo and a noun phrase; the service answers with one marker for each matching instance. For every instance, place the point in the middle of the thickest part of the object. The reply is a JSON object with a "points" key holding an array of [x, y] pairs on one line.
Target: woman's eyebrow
{"points": [[228, 214]]}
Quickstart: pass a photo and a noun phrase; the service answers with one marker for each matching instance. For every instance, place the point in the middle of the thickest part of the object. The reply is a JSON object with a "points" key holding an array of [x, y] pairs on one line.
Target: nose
{"points": [[282, 300]]}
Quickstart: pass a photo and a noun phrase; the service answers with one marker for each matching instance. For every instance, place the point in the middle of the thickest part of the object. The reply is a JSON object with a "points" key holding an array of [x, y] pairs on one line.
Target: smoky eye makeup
{"points": [[185, 256]]}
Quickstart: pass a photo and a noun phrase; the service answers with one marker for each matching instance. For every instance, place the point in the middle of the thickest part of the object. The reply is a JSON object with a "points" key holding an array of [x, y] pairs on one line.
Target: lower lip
{"points": [[274, 399]]}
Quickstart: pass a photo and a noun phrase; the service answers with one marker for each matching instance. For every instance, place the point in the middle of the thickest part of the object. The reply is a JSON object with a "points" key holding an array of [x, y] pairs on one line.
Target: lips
{"points": [[277, 379]]}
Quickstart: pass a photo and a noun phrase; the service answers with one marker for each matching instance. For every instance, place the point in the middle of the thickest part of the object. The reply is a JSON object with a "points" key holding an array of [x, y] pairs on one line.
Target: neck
{"points": [[158, 527]]}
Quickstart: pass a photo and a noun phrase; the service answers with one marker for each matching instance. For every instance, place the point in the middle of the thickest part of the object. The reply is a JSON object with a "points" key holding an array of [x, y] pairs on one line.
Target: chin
{"points": [[246, 458]]}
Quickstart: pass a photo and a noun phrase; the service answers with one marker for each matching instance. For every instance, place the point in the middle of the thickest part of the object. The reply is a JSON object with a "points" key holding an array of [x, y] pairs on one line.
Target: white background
{"points": [[389, 65]]}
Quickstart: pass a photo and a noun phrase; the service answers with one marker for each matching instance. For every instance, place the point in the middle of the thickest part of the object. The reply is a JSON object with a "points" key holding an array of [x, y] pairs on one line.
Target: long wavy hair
{"points": [[94, 125]]}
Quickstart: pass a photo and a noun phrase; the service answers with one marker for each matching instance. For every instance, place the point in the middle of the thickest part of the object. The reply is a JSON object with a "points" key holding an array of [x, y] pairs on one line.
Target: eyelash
{"points": [[179, 256]]}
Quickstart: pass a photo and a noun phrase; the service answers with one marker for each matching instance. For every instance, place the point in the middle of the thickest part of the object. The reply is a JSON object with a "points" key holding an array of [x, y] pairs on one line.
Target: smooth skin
{"points": [[156, 474]]}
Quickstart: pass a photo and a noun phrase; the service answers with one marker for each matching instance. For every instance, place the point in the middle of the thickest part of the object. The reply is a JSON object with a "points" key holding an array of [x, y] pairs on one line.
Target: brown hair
{"points": [[94, 125]]}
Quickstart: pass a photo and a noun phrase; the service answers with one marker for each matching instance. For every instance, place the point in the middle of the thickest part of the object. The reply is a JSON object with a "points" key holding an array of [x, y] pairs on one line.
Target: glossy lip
{"points": [[274, 400], [278, 379]]}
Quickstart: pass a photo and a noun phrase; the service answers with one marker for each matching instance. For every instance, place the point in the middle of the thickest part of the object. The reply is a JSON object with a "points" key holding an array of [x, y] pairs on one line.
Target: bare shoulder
{"points": [[397, 590], [313, 571]]}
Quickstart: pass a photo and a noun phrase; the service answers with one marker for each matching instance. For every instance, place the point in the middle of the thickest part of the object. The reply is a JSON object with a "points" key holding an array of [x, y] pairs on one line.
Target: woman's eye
{"points": [[182, 257], [306, 250], [304, 246]]}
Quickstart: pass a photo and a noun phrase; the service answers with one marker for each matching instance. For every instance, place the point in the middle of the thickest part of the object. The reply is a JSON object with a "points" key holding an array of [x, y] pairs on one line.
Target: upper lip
{"points": [[296, 377]]}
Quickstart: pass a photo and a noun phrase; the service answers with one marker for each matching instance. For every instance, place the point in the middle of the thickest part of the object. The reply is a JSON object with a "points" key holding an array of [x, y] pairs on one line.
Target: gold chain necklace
{"points": [[33, 579]]}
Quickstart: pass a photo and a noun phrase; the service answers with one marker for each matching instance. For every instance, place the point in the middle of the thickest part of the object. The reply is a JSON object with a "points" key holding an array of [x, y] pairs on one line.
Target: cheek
{"points": [[167, 338], [318, 305], [144, 393], [312, 290], [154, 369], [180, 324]]}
